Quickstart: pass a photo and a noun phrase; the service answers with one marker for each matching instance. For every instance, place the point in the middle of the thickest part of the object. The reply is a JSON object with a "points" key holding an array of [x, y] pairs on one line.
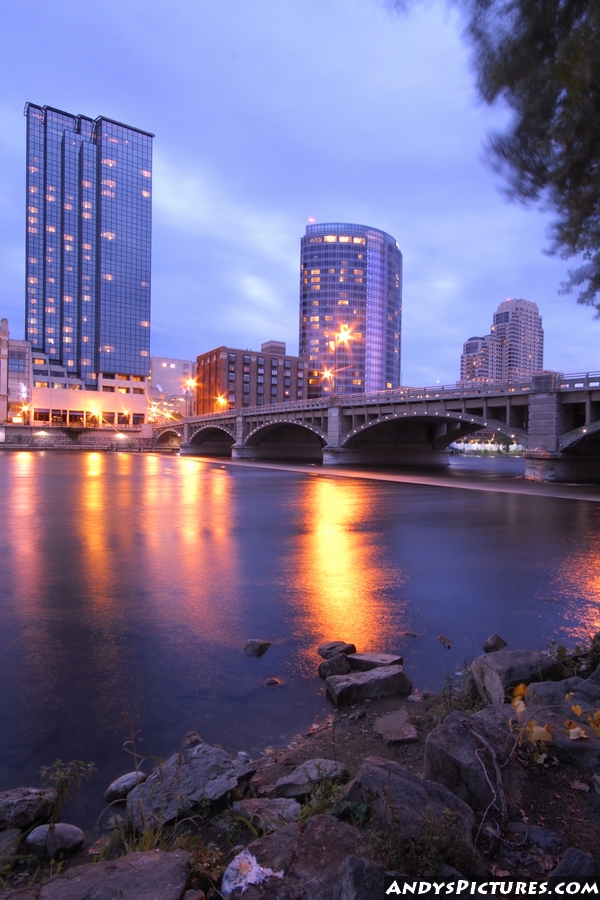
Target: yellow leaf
{"points": [[519, 691], [576, 733], [540, 757], [569, 696], [541, 733], [519, 706], [576, 710]]}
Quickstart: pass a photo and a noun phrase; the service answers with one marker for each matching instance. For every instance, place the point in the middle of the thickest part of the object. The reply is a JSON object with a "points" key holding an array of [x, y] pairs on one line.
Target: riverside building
{"points": [[514, 349], [229, 378], [88, 246], [350, 309]]}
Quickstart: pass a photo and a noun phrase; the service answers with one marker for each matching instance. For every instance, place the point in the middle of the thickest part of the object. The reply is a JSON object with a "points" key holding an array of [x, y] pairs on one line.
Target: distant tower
{"points": [[89, 216], [350, 309], [514, 350]]}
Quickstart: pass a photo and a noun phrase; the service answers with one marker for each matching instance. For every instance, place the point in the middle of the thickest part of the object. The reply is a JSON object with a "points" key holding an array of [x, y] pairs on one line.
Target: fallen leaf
{"points": [[519, 691], [539, 732], [579, 786], [576, 710], [569, 696], [519, 706], [540, 757]]}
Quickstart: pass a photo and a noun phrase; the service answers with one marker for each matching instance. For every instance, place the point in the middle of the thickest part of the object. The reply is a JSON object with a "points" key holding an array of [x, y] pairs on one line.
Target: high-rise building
{"points": [[514, 349], [350, 309], [88, 243]]}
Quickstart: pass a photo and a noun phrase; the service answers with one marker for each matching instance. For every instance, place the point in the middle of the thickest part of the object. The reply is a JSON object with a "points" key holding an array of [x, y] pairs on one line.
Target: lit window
{"points": [[109, 162], [359, 271], [50, 228], [145, 324], [330, 238], [315, 271], [315, 287], [146, 173], [87, 246], [86, 215], [145, 283], [107, 277], [33, 169], [315, 318], [344, 239], [106, 193], [86, 184], [109, 183], [32, 280], [358, 281], [359, 240], [342, 303], [86, 204], [144, 353], [33, 189], [68, 206], [315, 280], [145, 193], [109, 235]]}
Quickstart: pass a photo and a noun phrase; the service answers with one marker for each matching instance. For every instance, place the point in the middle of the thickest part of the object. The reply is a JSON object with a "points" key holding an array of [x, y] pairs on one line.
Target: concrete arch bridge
{"points": [[555, 417]]}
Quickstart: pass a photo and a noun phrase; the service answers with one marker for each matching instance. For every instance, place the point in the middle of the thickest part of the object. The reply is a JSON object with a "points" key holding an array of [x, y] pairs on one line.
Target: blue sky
{"points": [[269, 111]]}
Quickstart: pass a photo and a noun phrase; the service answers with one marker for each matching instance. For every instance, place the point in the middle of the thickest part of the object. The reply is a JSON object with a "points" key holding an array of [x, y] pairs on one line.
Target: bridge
{"points": [[555, 417]]}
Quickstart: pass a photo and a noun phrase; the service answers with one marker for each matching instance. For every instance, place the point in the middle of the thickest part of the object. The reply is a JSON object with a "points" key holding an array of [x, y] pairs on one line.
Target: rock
{"points": [[271, 682], [494, 643], [400, 799], [553, 693], [335, 665], [190, 740], [308, 774], [444, 641], [455, 757], [496, 673], [120, 787], [395, 728], [309, 856], [574, 866], [382, 682], [594, 677], [21, 807], [202, 773], [9, 841], [245, 870], [332, 648], [359, 879], [268, 814], [256, 648], [50, 840], [194, 895], [363, 662], [153, 875], [545, 838]]}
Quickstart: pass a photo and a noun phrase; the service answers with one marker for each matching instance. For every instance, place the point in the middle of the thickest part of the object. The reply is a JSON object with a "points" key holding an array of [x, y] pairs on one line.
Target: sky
{"points": [[267, 112]]}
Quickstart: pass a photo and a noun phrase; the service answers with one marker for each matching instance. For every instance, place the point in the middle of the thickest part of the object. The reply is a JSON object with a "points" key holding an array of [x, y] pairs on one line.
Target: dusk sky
{"points": [[269, 111]]}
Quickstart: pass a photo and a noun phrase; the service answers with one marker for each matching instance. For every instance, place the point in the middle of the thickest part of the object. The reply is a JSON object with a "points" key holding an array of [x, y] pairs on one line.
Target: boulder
{"points": [[457, 758], [153, 875], [120, 787], [385, 681], [268, 814], [335, 665], [546, 838], [307, 775], [200, 774], [50, 840], [309, 858], [553, 693], [574, 866], [359, 879], [496, 673], [9, 841], [21, 807], [256, 647], [395, 728], [494, 643], [332, 648], [363, 662]]}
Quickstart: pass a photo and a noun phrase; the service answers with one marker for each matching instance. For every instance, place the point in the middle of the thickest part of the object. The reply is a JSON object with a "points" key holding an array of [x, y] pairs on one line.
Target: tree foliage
{"points": [[542, 58]]}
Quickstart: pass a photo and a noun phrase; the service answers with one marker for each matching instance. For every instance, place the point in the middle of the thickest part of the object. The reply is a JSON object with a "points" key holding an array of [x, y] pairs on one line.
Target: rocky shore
{"points": [[498, 777]]}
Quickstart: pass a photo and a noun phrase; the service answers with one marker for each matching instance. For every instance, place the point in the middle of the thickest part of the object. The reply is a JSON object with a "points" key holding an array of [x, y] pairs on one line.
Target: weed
{"points": [[462, 696], [63, 777], [581, 660], [322, 799]]}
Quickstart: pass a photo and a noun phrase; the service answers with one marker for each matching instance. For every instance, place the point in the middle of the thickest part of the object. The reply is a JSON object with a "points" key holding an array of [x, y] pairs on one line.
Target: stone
{"points": [[385, 681], [152, 875], [50, 840], [574, 866], [309, 856], [595, 676], [307, 775], [256, 648], [395, 728], [496, 673], [332, 648], [494, 643], [359, 879], [455, 757], [9, 842], [190, 740], [268, 814], [335, 665], [553, 693], [363, 662], [546, 838], [120, 787], [198, 775], [444, 641], [271, 682], [21, 807]]}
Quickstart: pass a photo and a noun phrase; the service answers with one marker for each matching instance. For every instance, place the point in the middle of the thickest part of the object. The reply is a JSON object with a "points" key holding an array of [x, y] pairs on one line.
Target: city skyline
{"points": [[236, 181]]}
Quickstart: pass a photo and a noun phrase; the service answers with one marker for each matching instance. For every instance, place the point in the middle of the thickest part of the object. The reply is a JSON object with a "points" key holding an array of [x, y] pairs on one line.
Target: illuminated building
{"points": [[15, 375], [88, 244], [350, 309], [228, 378], [514, 350]]}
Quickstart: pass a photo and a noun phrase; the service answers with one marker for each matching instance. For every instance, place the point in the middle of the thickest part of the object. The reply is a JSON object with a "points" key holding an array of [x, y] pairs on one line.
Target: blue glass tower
{"points": [[350, 309], [88, 243]]}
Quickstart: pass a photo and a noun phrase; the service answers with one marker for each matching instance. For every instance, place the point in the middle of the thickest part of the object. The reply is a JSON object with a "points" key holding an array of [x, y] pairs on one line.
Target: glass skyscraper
{"points": [[88, 243], [350, 309]]}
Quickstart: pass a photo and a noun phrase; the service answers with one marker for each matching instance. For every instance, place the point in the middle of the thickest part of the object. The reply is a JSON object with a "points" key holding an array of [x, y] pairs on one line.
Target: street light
{"points": [[190, 385]]}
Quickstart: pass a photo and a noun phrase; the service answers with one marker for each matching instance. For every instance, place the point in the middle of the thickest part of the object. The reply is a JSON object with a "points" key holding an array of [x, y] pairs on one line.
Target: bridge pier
{"points": [[383, 455], [544, 465], [282, 450]]}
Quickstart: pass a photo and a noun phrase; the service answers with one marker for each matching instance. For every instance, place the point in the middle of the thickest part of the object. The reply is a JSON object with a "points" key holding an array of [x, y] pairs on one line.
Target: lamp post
{"points": [[190, 386]]}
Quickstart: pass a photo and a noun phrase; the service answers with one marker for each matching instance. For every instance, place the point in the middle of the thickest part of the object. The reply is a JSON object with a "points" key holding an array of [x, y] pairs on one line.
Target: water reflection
{"points": [[578, 579]]}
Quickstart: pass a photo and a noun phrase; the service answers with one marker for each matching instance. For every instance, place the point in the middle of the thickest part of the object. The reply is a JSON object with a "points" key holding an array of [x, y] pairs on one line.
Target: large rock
{"points": [[307, 775], [21, 807], [256, 647], [457, 758], [395, 728], [382, 682], [200, 774], [309, 857], [9, 841], [268, 814], [120, 787], [496, 673], [154, 875], [359, 879], [553, 693], [574, 866], [335, 665], [50, 840], [363, 662], [494, 643], [332, 648]]}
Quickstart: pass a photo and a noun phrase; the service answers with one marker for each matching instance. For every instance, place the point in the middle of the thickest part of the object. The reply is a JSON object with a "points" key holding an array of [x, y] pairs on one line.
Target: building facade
{"points": [[514, 349], [88, 244], [350, 309], [229, 378]]}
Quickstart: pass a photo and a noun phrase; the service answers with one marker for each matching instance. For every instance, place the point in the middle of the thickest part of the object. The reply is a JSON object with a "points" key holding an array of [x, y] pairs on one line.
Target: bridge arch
{"points": [[211, 440], [582, 440], [169, 437], [285, 438]]}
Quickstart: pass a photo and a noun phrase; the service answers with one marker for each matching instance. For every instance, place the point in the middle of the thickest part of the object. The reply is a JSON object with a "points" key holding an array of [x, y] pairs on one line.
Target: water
{"points": [[131, 582]]}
